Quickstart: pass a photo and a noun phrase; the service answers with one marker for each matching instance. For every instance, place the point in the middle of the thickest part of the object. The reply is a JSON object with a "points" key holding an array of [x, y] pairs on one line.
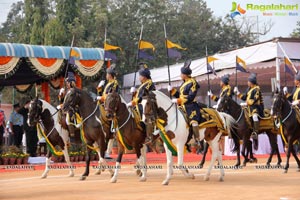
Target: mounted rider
{"points": [[254, 102], [146, 86], [70, 83], [225, 89], [294, 97], [186, 99], [104, 87]]}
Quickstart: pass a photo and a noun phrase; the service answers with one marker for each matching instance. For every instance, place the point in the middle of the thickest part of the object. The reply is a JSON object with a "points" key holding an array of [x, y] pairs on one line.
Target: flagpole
{"points": [[168, 64], [236, 82], [68, 62], [208, 82], [138, 55], [285, 65]]}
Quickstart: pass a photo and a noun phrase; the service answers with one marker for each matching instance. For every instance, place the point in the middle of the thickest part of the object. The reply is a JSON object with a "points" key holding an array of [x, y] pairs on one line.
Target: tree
{"points": [[296, 31]]}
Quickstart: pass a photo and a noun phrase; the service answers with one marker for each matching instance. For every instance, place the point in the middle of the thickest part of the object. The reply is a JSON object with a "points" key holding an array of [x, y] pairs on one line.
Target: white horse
{"points": [[42, 112], [177, 124]]}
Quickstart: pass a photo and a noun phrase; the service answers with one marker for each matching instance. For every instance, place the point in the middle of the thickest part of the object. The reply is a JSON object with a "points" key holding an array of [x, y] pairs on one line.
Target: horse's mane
{"points": [[48, 106]]}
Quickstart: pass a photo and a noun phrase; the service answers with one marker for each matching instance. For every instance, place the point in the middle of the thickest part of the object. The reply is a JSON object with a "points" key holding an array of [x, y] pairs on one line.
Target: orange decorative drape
{"points": [[46, 91], [108, 64], [78, 81]]}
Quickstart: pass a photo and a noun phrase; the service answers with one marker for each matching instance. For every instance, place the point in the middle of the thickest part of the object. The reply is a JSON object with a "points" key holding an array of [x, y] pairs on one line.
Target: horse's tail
{"points": [[228, 122]]}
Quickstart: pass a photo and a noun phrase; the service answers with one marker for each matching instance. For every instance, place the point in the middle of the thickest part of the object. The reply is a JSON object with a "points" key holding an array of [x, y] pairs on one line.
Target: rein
{"points": [[81, 123], [113, 130]]}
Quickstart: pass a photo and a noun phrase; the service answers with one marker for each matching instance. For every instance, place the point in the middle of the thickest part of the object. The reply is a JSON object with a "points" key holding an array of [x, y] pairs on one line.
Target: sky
{"points": [[283, 25]]}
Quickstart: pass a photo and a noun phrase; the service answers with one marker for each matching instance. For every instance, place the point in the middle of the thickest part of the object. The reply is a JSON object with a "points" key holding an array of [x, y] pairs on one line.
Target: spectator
{"points": [[30, 131], [2, 124], [16, 125]]}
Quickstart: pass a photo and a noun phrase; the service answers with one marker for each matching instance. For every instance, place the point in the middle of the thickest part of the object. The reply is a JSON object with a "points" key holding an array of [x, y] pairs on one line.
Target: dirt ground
{"points": [[247, 183]]}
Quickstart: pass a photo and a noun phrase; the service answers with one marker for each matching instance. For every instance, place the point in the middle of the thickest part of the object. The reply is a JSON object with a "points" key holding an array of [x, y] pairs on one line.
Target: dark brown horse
{"points": [[285, 114], [42, 113], [95, 133], [130, 135], [228, 105]]}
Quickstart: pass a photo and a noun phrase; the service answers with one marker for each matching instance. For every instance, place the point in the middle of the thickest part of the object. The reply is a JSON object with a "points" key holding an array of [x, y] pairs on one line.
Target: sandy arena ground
{"points": [[246, 183]]}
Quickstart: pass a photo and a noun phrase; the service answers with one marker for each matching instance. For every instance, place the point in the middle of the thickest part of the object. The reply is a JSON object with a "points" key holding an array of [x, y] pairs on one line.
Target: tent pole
{"points": [[277, 72]]}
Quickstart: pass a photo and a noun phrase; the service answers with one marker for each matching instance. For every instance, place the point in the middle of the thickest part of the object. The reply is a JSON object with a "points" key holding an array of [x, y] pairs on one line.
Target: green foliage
{"points": [[296, 31]]}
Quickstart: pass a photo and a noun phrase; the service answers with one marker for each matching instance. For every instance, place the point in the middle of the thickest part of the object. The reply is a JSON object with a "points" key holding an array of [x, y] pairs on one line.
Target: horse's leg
{"points": [[141, 155], [296, 158], [67, 158], [214, 144], [180, 153], [47, 164], [237, 148], [87, 164], [204, 155], [245, 146], [252, 158], [169, 165], [288, 154], [220, 161], [118, 164], [99, 168], [274, 148]]}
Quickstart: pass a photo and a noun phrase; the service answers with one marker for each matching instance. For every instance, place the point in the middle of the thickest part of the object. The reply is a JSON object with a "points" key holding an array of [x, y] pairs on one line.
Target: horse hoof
{"points": [[192, 176], [138, 172], [206, 178], [71, 175], [44, 176], [285, 171], [98, 172], [298, 170], [200, 166], [82, 178], [113, 180], [143, 179], [165, 182], [221, 179]]}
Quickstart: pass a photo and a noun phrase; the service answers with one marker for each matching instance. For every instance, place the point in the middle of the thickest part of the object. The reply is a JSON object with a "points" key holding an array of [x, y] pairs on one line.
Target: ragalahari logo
{"points": [[236, 10]]}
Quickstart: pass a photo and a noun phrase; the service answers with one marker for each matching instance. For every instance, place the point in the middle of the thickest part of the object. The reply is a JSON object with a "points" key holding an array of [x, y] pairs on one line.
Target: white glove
{"points": [[174, 100], [61, 91], [59, 107], [129, 104], [215, 106], [243, 104], [296, 102], [98, 98], [132, 90], [236, 90], [101, 83], [209, 93], [170, 88], [285, 90]]}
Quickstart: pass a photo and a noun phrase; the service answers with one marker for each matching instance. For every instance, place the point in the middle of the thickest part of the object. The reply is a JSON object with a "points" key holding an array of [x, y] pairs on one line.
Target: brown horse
{"points": [[130, 135], [95, 133], [285, 114], [228, 105], [41, 112]]}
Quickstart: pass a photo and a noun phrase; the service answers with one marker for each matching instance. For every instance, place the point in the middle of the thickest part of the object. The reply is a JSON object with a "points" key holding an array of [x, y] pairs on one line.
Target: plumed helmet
{"points": [[225, 79], [252, 78], [186, 68], [70, 77], [144, 71]]}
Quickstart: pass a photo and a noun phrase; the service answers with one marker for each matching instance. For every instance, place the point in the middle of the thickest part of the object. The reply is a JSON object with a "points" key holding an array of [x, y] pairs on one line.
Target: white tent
{"points": [[255, 56]]}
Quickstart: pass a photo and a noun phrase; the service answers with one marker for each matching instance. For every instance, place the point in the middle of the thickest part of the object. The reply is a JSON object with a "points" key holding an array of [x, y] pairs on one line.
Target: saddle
{"points": [[265, 123], [297, 110], [138, 121], [213, 119]]}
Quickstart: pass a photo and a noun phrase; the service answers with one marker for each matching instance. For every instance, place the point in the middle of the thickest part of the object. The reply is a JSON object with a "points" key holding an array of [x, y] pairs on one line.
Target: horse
{"points": [[286, 114], [41, 112], [96, 134], [130, 134], [179, 131], [228, 105]]}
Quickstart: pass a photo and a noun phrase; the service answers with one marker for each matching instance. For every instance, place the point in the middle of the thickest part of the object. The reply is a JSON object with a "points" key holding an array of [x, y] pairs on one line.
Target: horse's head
{"points": [[224, 103], [35, 111], [278, 102], [111, 104], [71, 100]]}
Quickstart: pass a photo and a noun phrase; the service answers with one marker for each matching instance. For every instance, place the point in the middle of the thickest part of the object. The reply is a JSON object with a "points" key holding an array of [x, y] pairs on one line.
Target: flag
{"points": [[110, 55], [108, 47], [173, 45], [146, 45], [172, 53], [209, 67], [241, 65], [74, 53], [145, 55], [287, 65]]}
